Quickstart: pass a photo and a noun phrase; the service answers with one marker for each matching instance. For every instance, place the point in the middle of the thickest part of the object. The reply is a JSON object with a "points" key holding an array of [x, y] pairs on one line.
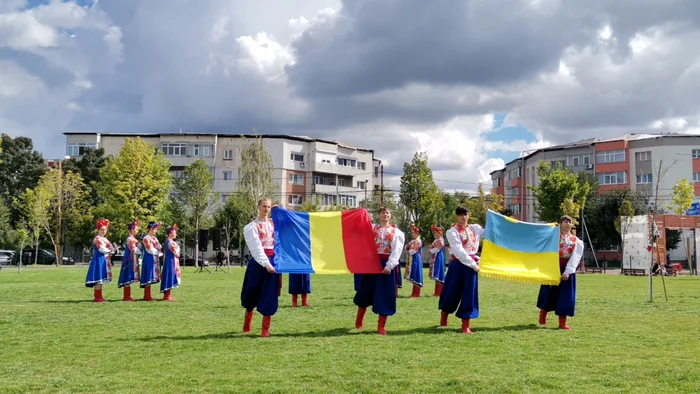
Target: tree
{"points": [[623, 221], [419, 194], [556, 186], [682, 196], [194, 193], [134, 185], [602, 212], [255, 174], [673, 238], [22, 236], [89, 167], [20, 169], [8, 237], [231, 217], [33, 205], [479, 205]]}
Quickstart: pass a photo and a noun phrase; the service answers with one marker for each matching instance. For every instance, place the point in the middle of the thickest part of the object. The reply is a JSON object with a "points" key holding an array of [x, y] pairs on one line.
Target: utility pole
{"points": [[366, 183], [381, 192], [59, 197]]}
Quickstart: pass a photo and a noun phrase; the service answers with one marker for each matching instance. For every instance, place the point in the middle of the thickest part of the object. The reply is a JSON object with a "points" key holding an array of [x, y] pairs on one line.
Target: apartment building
{"points": [[304, 168]]}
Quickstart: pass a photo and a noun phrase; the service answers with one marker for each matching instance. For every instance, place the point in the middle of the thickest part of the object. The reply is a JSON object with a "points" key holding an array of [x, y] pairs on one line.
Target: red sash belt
{"points": [[473, 256], [383, 256], [563, 261], [269, 252]]}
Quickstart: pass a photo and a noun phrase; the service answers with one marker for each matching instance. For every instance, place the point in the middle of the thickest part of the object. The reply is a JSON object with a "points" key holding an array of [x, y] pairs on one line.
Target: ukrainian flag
{"points": [[520, 251], [325, 242]]}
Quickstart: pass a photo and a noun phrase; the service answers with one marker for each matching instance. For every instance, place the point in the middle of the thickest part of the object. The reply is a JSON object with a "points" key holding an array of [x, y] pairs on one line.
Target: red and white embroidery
{"points": [[468, 237], [567, 244], [383, 237], [266, 232]]}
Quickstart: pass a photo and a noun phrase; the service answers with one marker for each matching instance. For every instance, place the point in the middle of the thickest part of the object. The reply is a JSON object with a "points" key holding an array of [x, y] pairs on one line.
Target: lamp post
{"points": [[366, 183], [522, 180], [59, 199]]}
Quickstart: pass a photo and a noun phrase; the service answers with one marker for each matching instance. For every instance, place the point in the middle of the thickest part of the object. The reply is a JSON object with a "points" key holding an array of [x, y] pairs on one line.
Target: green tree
{"points": [[420, 196], [194, 193], [135, 184], [33, 206], [556, 186], [314, 205], [22, 237], [673, 238], [8, 236], [623, 221], [89, 167], [602, 212], [231, 217], [682, 198], [479, 205], [255, 174], [20, 169]]}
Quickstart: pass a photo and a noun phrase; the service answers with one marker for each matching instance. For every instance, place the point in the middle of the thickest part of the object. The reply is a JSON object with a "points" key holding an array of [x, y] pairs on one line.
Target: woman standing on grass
{"points": [[129, 272], [150, 271], [100, 270], [171, 264], [437, 259], [414, 262]]}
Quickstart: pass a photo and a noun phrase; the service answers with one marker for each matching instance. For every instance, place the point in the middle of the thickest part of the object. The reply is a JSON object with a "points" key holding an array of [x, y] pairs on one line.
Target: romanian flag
{"points": [[325, 242], [520, 251]]}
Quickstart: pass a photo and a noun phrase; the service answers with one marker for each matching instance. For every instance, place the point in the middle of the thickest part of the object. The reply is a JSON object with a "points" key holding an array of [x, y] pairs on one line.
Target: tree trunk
{"points": [[36, 251], [196, 244]]}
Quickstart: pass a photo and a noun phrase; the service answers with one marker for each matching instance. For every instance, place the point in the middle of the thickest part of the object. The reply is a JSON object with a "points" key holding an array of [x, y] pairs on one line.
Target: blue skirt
{"points": [[299, 284], [99, 271], [129, 272], [437, 268], [460, 292], [379, 291], [416, 270], [260, 289], [358, 280], [397, 276], [170, 277], [561, 299], [150, 270]]}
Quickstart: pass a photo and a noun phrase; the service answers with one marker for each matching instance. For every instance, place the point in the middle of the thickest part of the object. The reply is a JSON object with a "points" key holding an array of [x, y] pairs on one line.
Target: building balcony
{"points": [[332, 189], [330, 168]]}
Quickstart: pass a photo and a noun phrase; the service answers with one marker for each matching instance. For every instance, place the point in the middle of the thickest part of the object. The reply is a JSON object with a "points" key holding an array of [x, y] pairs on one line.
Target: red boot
{"points": [[127, 294], [98, 296], [562, 323], [266, 326], [167, 297], [147, 294], [360, 319], [443, 319], [247, 321], [438, 289], [294, 300], [465, 326], [381, 324], [305, 300], [416, 292], [543, 317]]}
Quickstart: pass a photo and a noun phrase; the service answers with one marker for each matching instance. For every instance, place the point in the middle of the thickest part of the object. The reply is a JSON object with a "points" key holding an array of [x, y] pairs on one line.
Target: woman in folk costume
{"points": [[300, 284], [461, 289], [379, 290], [129, 272], [437, 259], [562, 298], [261, 280], [150, 269], [170, 275], [414, 262], [100, 270]]}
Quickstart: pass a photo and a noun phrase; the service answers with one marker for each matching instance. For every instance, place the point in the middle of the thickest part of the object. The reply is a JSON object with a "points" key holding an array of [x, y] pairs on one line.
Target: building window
{"points": [[496, 182], [558, 164], [696, 153], [696, 177], [328, 199], [78, 148], [349, 201], [611, 156], [174, 149], [376, 172], [178, 173], [296, 179], [228, 175], [228, 154], [612, 178], [195, 150], [515, 209], [578, 160], [361, 185], [642, 156], [361, 165], [295, 199], [646, 178], [514, 173], [224, 197], [318, 180], [206, 150], [341, 182], [297, 157], [346, 162]]}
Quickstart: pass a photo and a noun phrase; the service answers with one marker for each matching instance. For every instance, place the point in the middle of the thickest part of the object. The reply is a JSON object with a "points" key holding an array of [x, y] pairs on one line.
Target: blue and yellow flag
{"points": [[520, 251]]}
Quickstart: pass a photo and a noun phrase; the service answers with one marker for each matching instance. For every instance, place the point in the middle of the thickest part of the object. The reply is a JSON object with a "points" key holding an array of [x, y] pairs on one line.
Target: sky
{"points": [[471, 82]]}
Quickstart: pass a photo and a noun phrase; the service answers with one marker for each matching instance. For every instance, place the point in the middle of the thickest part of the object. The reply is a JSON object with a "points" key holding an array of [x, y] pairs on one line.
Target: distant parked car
{"points": [[6, 257], [45, 256]]}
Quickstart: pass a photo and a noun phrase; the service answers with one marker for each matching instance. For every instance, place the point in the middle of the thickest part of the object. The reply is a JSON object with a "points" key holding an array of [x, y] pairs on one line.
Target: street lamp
{"points": [[59, 198]]}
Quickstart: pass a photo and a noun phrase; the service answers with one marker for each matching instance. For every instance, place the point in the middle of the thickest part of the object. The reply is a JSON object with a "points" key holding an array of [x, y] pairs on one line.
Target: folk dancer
{"points": [[562, 298], [261, 281], [150, 268], [100, 269], [461, 288], [170, 276], [379, 290], [414, 262], [437, 259], [129, 272], [300, 284]]}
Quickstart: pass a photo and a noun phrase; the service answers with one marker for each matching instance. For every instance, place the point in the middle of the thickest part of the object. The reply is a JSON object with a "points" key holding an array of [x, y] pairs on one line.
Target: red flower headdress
{"points": [[102, 222], [132, 225], [415, 229], [436, 229], [170, 229]]}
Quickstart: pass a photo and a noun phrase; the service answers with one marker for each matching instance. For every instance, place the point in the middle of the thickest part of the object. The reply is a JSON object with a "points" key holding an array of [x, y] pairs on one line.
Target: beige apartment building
{"points": [[304, 168]]}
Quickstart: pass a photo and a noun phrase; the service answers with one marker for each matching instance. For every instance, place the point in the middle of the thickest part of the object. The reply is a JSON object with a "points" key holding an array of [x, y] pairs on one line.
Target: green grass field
{"points": [[54, 339]]}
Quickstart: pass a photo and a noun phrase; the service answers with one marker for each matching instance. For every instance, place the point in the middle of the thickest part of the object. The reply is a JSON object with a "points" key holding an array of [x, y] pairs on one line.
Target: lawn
{"points": [[54, 339]]}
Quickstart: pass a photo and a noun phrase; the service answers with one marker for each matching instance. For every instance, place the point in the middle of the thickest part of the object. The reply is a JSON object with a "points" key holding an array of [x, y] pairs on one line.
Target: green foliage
{"points": [[89, 167], [231, 217], [420, 196], [20, 169], [134, 185], [8, 236], [602, 212], [673, 238], [558, 193], [479, 205], [626, 211], [255, 174], [193, 198], [682, 195], [33, 207]]}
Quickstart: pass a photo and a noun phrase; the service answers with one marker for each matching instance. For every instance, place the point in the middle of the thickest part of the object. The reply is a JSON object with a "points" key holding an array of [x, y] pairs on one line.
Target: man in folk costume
{"points": [[562, 298], [437, 259], [261, 281], [461, 289], [379, 290], [130, 261], [414, 263]]}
